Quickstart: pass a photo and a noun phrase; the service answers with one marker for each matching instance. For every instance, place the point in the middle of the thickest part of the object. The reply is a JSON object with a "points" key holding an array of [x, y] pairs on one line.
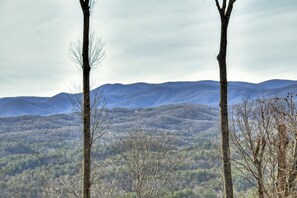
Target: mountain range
{"points": [[140, 95]]}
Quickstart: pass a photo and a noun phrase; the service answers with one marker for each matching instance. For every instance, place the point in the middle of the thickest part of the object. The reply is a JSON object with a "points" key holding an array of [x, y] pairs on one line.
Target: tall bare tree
{"points": [[90, 55], [252, 135], [225, 11], [85, 5], [263, 136]]}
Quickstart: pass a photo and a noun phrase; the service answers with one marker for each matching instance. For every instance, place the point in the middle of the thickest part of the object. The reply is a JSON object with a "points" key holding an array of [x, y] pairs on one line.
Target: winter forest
{"points": [[192, 138]]}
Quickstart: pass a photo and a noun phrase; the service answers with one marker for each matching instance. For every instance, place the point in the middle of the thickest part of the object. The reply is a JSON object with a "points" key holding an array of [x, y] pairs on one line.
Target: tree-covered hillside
{"points": [[46, 150]]}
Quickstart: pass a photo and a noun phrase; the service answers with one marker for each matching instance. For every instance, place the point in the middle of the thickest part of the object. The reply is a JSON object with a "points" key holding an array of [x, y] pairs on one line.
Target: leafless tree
{"points": [[89, 55], [100, 115], [263, 133], [249, 136], [225, 11], [100, 122], [149, 162], [96, 51], [286, 115]]}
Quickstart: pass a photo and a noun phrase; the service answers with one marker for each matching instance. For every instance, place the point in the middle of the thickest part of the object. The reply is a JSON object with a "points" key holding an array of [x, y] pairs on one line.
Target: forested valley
{"points": [[168, 151], [41, 155]]}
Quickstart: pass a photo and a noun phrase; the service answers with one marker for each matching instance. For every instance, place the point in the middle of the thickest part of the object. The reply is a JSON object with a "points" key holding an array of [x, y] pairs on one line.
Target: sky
{"points": [[145, 41]]}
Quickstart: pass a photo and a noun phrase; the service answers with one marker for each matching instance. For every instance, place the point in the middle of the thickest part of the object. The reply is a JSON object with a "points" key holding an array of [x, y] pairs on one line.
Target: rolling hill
{"points": [[140, 95]]}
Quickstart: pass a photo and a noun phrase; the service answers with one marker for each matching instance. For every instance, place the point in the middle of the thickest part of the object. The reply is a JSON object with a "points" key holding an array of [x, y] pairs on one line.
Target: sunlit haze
{"points": [[145, 41]]}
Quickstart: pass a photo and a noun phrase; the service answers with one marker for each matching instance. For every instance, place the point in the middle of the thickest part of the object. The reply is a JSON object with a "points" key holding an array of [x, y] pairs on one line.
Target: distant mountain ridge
{"points": [[139, 95]]}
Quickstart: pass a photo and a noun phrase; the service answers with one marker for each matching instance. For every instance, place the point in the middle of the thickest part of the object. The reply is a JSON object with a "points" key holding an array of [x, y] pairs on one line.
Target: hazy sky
{"points": [[145, 40]]}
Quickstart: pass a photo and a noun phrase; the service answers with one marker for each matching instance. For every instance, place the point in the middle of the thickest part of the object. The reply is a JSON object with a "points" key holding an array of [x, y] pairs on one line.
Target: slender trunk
{"points": [[86, 105], [258, 153], [260, 181], [228, 186], [282, 161], [293, 172], [87, 137], [139, 187]]}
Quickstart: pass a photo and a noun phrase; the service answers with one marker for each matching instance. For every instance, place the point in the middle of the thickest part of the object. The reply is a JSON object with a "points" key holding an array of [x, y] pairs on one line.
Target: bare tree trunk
{"points": [[224, 113], [225, 13], [87, 137], [258, 160], [86, 101], [260, 182], [293, 173], [282, 164]]}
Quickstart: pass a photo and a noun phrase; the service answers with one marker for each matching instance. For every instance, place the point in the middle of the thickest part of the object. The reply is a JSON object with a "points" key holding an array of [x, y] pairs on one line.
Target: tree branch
{"points": [[219, 8], [229, 9]]}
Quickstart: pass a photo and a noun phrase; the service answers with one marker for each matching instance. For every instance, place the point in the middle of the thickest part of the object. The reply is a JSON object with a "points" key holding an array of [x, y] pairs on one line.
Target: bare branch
{"points": [[96, 52], [100, 116], [228, 12], [75, 53], [219, 8], [149, 161]]}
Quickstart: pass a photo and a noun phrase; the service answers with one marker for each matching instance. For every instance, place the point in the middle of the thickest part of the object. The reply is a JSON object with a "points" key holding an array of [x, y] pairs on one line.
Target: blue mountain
{"points": [[139, 95]]}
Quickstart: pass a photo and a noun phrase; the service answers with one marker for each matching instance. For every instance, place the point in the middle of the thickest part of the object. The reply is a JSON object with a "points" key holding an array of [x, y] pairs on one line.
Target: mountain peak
{"points": [[142, 94]]}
